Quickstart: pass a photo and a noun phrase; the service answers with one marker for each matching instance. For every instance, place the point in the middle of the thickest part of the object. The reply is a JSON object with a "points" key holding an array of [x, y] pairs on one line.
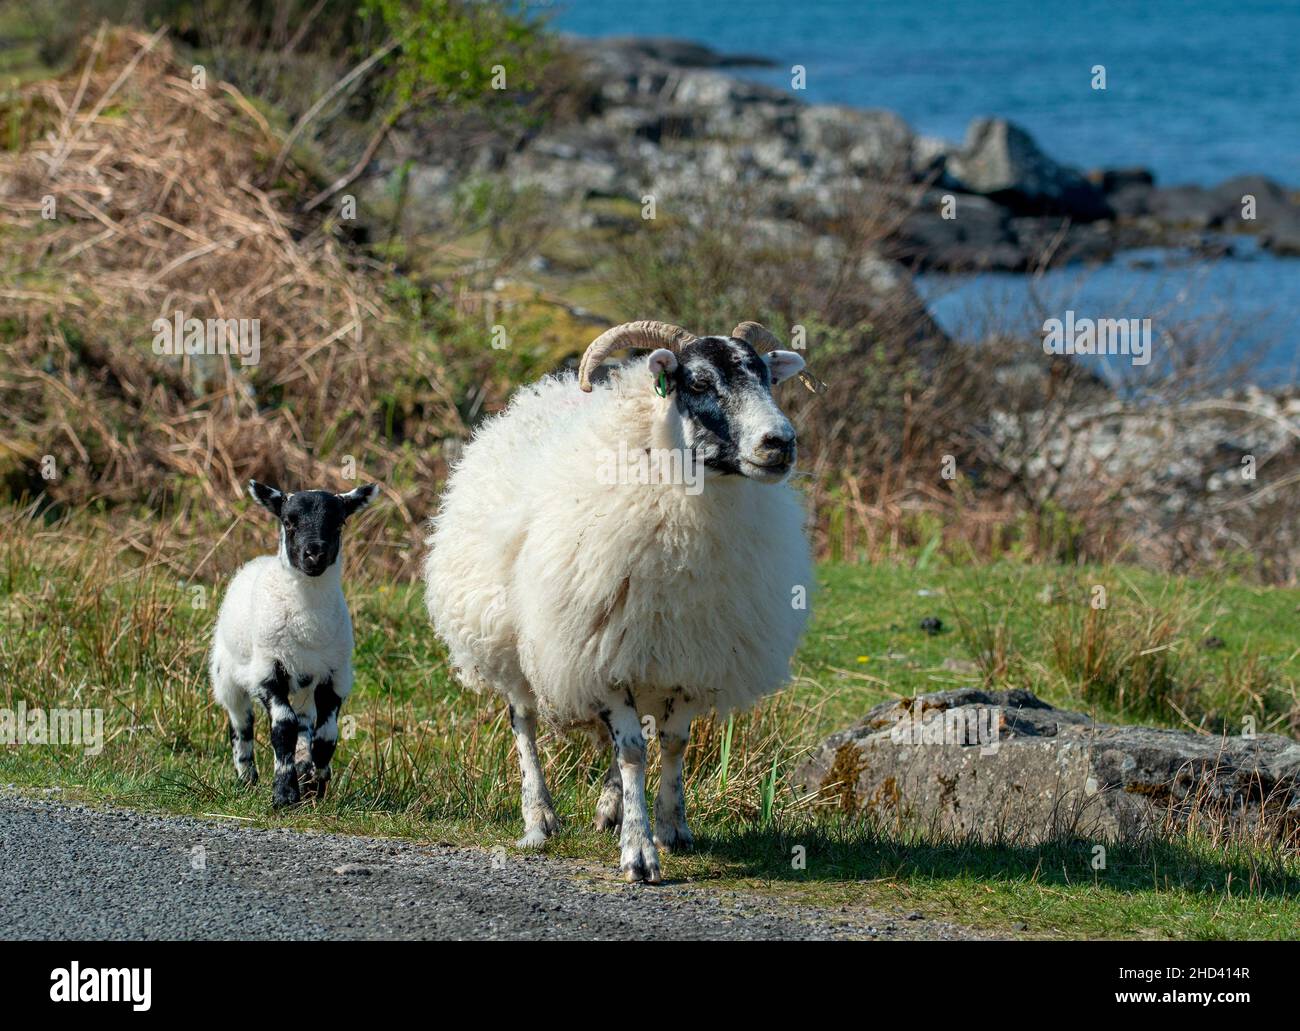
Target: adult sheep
{"points": [[632, 550]]}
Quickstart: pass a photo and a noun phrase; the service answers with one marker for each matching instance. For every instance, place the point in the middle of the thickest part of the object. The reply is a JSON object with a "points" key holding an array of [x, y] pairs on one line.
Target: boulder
{"points": [[872, 142], [1004, 765], [679, 53], [978, 238], [1282, 234], [1190, 207], [1001, 160], [1127, 190]]}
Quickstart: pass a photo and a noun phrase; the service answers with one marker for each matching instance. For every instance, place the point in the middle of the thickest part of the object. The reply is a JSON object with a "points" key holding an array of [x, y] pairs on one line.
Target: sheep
{"points": [[593, 596], [284, 638]]}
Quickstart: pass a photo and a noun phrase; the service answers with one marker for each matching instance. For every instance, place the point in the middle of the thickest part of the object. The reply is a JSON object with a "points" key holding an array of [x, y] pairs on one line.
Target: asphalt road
{"points": [[74, 872]]}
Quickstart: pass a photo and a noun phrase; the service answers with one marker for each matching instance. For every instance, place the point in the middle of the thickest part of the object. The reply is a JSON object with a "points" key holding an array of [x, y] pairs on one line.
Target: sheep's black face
{"points": [[311, 522], [723, 393]]}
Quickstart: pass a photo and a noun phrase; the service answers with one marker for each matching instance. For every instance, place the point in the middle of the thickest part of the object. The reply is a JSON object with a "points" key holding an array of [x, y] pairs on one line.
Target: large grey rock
{"points": [[1006, 765], [869, 141], [1001, 160], [977, 237]]}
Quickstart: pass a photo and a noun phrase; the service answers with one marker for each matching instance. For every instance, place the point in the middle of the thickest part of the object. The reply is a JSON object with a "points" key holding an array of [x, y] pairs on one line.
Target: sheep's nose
{"points": [[776, 445], [314, 551]]}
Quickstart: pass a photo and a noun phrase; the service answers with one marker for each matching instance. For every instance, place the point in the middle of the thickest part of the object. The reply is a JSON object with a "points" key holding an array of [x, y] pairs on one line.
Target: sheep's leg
{"points": [[609, 808], [638, 860], [241, 740], [274, 691], [671, 832], [327, 733], [303, 765], [539, 818]]}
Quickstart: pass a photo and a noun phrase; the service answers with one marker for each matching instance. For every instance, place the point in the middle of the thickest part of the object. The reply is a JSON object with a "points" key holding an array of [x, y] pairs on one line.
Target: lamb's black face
{"points": [[311, 522], [723, 392]]}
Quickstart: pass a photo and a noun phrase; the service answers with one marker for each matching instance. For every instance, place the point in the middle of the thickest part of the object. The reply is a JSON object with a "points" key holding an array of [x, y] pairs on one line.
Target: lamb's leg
{"points": [[609, 808], [241, 740], [638, 858], [327, 733], [539, 818], [274, 691], [303, 765], [671, 832]]}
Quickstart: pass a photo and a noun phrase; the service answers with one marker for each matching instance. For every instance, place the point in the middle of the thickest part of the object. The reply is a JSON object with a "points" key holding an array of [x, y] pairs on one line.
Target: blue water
{"points": [[1197, 92]]}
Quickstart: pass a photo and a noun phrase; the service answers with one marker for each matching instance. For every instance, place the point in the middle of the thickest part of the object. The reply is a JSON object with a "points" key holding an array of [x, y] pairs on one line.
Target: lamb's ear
{"points": [[268, 497], [782, 365], [661, 360], [355, 500]]}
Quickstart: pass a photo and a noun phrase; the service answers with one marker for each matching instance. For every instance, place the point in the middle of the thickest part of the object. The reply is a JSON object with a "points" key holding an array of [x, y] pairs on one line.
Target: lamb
{"points": [[591, 595], [284, 639]]}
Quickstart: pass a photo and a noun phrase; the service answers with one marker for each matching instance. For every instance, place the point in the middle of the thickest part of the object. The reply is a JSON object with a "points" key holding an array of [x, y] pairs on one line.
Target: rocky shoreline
{"points": [[676, 121]]}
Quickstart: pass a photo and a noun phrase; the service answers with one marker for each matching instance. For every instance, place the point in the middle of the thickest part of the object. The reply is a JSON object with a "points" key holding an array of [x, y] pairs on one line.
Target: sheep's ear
{"points": [[355, 500], [661, 360], [268, 497], [782, 365]]}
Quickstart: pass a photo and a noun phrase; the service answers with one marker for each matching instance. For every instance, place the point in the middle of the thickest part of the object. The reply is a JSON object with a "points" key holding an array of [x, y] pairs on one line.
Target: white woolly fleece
{"points": [[273, 612], [547, 584]]}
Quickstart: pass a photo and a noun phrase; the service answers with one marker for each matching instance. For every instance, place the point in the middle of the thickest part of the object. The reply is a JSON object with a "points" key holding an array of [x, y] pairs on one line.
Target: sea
{"points": [[1196, 91]]}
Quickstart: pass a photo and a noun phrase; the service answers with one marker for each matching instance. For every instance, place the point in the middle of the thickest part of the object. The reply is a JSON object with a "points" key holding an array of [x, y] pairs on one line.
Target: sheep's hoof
{"points": [[607, 820], [674, 839], [286, 792], [247, 776], [539, 828], [309, 781], [640, 864]]}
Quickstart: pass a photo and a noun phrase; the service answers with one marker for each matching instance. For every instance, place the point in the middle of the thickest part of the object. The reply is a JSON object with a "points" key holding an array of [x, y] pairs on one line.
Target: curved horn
{"points": [[630, 334], [754, 335]]}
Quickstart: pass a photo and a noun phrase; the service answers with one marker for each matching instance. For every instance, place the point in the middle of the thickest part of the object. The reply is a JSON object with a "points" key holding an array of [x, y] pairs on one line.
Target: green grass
{"points": [[87, 627]]}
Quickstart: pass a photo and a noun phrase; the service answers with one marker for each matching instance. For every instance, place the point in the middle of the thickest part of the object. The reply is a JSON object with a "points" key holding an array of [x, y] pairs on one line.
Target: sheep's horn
{"points": [[630, 334], [754, 335]]}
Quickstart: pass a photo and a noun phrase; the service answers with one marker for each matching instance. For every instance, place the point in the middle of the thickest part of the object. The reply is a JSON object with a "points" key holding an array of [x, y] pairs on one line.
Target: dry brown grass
{"points": [[159, 209]]}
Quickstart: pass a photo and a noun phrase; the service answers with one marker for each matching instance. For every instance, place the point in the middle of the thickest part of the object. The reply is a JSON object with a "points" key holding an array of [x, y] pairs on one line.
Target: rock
{"points": [[869, 142], [1127, 190], [1282, 236], [1006, 765], [1192, 207], [1001, 160], [1271, 200], [978, 238], [1112, 180], [679, 53]]}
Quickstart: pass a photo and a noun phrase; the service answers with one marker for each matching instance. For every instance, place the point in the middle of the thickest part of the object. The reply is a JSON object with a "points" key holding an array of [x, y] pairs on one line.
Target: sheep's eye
{"points": [[291, 521], [698, 384]]}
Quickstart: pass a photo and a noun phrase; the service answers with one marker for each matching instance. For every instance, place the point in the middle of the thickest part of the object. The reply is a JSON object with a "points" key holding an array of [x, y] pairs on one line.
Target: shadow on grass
{"points": [[846, 851]]}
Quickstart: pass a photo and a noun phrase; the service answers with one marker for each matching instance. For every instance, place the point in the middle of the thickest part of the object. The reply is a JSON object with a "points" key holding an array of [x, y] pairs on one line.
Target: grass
{"points": [[89, 622]]}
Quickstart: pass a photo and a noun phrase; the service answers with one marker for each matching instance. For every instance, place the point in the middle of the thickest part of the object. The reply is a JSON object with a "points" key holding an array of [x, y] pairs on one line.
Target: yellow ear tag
{"points": [[661, 384]]}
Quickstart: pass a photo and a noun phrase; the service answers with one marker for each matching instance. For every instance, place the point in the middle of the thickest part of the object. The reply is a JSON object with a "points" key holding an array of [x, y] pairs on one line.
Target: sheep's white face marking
{"points": [[723, 395], [311, 523]]}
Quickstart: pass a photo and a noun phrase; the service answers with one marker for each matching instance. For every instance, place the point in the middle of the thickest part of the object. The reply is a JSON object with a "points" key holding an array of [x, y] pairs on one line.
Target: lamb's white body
{"points": [[273, 615], [565, 594]]}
